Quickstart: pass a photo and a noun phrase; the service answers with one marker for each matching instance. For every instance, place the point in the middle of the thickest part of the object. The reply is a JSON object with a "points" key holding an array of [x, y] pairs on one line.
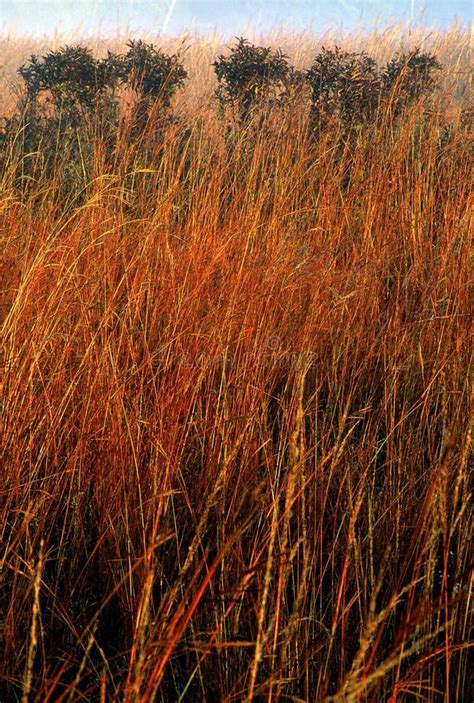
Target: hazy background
{"points": [[227, 16]]}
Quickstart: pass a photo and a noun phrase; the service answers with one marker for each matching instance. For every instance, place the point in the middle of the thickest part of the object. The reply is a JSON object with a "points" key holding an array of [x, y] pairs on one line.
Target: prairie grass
{"points": [[235, 409]]}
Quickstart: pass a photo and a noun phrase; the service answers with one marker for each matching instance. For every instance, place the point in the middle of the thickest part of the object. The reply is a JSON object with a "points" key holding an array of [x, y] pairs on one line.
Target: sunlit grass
{"points": [[235, 408]]}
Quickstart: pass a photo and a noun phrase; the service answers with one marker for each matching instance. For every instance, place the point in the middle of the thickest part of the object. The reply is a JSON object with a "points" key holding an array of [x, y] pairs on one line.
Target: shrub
{"points": [[66, 88], [72, 77], [343, 84], [409, 76], [152, 73], [251, 75], [63, 90]]}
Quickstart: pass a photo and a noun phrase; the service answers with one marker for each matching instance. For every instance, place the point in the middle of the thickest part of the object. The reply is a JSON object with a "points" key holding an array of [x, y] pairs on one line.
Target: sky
{"points": [[227, 16]]}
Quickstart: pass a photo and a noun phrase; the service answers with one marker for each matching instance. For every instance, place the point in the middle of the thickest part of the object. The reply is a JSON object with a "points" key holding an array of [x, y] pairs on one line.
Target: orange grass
{"points": [[235, 412]]}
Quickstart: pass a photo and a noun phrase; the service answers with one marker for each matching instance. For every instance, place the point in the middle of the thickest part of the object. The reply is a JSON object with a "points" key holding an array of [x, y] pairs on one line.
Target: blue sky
{"points": [[228, 16]]}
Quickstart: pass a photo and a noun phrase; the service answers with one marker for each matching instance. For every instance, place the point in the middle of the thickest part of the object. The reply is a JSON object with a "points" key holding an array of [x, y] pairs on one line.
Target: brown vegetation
{"points": [[235, 408]]}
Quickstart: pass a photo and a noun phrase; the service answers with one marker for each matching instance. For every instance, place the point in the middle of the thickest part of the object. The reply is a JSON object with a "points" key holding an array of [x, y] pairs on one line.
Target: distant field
{"points": [[235, 400]]}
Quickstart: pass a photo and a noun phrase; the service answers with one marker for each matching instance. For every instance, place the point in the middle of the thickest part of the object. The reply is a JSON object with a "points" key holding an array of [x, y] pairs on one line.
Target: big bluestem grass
{"points": [[235, 407]]}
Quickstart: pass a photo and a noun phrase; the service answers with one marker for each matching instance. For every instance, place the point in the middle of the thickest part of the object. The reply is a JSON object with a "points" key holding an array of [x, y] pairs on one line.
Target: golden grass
{"points": [[235, 410]]}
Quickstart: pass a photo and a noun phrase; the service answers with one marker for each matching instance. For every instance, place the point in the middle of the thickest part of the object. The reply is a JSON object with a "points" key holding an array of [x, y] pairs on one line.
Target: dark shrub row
{"points": [[74, 79], [70, 98], [344, 84], [348, 85]]}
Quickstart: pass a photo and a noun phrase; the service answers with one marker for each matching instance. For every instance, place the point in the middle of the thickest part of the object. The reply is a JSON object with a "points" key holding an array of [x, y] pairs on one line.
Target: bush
{"points": [[75, 80], [343, 84], [72, 77], [251, 75], [409, 76], [154, 77], [152, 73], [66, 88]]}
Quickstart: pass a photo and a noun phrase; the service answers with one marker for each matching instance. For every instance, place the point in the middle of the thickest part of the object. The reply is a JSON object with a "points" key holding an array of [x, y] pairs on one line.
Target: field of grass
{"points": [[235, 403]]}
